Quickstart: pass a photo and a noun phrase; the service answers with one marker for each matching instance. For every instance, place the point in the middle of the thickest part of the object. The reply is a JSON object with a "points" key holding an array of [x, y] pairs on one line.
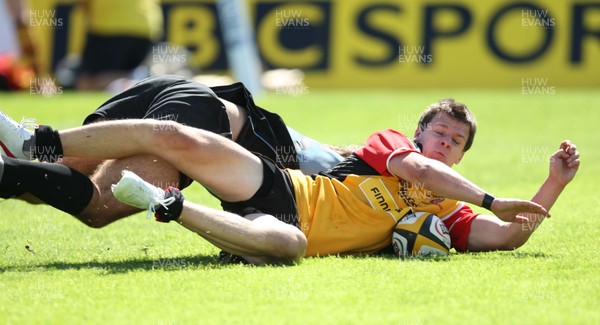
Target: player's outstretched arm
{"points": [[443, 180], [564, 164], [489, 233]]}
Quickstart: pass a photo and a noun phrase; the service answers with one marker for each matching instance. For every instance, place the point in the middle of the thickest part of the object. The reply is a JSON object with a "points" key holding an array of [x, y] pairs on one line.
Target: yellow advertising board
{"points": [[380, 43]]}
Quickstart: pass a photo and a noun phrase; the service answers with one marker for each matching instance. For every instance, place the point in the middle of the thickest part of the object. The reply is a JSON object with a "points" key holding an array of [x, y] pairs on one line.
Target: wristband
{"points": [[487, 201]]}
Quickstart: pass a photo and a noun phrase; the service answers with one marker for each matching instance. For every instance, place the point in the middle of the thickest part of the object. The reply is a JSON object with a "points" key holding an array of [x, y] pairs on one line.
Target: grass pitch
{"points": [[55, 270]]}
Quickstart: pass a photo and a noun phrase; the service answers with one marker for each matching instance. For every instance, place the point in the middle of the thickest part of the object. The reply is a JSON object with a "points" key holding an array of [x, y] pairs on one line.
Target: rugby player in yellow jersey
{"points": [[120, 34], [350, 209]]}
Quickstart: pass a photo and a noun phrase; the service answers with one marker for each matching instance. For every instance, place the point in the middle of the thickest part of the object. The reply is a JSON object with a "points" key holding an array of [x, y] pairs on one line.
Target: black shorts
{"points": [[113, 53], [167, 98], [197, 105], [279, 200]]}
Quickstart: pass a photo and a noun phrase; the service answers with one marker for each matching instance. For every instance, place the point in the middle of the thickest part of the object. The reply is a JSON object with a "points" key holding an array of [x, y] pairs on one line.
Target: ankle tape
{"points": [[48, 147], [173, 210]]}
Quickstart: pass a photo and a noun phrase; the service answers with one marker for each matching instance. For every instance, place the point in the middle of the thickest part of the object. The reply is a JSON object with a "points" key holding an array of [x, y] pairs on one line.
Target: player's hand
{"points": [[564, 163], [509, 209]]}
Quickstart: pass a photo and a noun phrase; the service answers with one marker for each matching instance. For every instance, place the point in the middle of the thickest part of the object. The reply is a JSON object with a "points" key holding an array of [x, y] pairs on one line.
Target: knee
{"points": [[94, 220], [289, 246], [97, 218]]}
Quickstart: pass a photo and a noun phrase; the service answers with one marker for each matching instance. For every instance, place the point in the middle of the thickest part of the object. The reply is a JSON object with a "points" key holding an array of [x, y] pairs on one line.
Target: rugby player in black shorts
{"points": [[227, 110]]}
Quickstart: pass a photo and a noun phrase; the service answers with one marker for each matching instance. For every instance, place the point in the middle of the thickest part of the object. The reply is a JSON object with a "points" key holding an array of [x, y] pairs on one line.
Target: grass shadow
{"points": [[426, 258], [211, 262], [522, 255], [388, 254], [199, 262], [509, 254]]}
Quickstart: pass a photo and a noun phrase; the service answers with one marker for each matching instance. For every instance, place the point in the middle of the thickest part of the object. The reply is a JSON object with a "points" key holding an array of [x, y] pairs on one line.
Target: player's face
{"points": [[443, 139]]}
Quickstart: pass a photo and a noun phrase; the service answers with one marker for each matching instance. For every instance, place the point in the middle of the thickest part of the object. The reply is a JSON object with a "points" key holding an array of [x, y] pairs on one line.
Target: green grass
{"points": [[55, 270]]}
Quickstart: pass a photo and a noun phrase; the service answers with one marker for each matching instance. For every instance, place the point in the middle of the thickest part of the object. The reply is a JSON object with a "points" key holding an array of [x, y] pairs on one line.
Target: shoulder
{"points": [[383, 145]]}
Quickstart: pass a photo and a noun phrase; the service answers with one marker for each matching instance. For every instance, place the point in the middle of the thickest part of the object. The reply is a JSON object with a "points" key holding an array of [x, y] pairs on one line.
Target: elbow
{"points": [[503, 236], [507, 247], [512, 244], [512, 240]]}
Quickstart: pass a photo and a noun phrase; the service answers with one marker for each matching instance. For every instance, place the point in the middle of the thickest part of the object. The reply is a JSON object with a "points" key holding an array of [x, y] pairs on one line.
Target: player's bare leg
{"points": [[224, 167], [83, 165], [104, 209], [259, 238]]}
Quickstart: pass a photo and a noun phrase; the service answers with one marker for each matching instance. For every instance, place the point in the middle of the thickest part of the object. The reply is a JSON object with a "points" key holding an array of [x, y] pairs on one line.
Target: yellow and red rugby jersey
{"points": [[354, 207]]}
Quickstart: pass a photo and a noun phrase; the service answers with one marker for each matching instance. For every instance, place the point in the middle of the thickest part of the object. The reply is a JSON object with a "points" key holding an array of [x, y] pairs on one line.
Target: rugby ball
{"points": [[420, 234]]}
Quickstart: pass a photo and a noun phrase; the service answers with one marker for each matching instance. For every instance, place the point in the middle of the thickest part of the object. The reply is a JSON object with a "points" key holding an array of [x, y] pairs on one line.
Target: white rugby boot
{"points": [[134, 191], [13, 136]]}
